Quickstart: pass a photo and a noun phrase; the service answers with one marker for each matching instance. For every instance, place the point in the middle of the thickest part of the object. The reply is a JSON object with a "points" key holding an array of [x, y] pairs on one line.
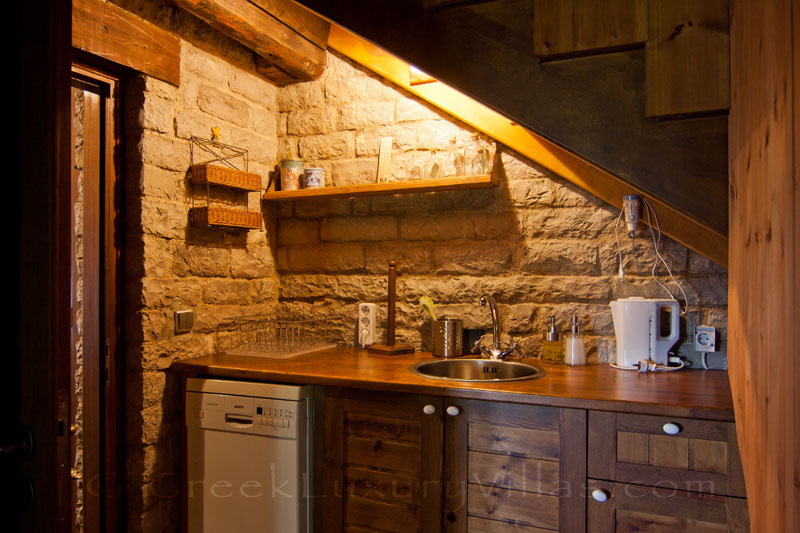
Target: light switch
{"points": [[184, 321]]}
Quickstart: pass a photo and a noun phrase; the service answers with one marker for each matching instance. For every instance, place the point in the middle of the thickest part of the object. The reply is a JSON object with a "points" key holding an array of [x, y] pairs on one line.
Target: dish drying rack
{"points": [[267, 336]]}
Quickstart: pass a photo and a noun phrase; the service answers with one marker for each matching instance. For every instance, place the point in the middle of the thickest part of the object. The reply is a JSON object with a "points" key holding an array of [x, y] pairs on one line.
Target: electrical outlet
{"points": [[366, 324], [705, 339]]}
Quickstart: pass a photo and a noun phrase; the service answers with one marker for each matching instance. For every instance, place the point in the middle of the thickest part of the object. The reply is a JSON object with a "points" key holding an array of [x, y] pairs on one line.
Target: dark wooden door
{"points": [[34, 382], [511, 467], [382, 462]]}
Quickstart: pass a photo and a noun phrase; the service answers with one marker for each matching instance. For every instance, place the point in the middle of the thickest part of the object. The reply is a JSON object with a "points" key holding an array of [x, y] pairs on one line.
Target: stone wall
{"points": [[542, 246], [77, 308], [171, 265]]}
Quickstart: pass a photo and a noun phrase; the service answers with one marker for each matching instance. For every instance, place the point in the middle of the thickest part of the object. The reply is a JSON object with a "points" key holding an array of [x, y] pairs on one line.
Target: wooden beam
{"points": [[112, 33], [675, 223], [308, 24], [764, 283], [267, 36]]}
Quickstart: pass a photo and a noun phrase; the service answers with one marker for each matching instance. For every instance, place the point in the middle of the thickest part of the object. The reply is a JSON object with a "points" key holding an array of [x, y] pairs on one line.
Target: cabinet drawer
{"points": [[670, 453], [623, 507]]}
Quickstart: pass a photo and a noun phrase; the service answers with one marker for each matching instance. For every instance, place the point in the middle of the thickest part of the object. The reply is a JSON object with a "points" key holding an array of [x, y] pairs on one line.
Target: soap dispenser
{"points": [[552, 344], [574, 351]]}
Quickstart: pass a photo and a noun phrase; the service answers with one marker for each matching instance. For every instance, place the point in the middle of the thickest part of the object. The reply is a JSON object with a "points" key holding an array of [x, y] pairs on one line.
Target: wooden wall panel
{"points": [[764, 287], [687, 60], [570, 27]]}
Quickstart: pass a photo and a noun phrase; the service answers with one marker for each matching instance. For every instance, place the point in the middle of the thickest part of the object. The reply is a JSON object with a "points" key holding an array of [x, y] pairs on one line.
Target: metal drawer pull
{"points": [[429, 409], [453, 410], [671, 428], [599, 495]]}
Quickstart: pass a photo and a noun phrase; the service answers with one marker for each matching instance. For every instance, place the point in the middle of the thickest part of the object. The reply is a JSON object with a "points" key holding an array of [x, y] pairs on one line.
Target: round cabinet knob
{"points": [[599, 495], [429, 409], [671, 428], [453, 410]]}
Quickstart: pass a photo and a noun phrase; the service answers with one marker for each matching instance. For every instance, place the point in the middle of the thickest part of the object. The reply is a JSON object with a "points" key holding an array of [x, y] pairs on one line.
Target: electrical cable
{"points": [[646, 365], [656, 245]]}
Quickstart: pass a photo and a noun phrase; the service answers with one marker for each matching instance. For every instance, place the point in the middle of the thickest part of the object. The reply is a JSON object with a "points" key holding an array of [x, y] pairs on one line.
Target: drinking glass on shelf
{"points": [[415, 172]]}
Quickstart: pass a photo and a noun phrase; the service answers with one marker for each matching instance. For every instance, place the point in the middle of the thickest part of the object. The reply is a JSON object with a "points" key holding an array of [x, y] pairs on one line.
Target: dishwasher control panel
{"points": [[241, 414]]}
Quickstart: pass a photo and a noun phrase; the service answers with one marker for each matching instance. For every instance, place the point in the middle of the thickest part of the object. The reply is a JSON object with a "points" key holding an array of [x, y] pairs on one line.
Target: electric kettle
{"points": [[645, 329]]}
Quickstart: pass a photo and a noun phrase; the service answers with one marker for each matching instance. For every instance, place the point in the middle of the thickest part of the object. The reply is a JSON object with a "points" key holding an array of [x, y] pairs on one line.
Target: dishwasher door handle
{"points": [[238, 421]]}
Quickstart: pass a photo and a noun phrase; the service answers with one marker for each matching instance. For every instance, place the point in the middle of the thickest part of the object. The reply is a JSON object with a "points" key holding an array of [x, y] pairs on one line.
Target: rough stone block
{"points": [[322, 207], [503, 225], [161, 183], [368, 140], [192, 123], [202, 261], [560, 257], [298, 231], [263, 291], [157, 114], [264, 122], [410, 258], [164, 152], [196, 64], [358, 228], [572, 223], [253, 88], [252, 262], [354, 171], [170, 293], [311, 121], [300, 96], [437, 134], [293, 286], [408, 109], [337, 145], [326, 258], [472, 258], [358, 89], [223, 106], [226, 292], [359, 116], [439, 227], [164, 218], [361, 288]]}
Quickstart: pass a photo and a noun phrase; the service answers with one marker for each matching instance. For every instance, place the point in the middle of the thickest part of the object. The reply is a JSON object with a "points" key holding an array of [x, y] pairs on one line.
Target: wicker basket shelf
{"points": [[220, 216], [228, 177]]}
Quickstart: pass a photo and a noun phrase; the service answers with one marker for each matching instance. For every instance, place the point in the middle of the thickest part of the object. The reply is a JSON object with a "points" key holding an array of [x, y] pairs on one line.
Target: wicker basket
{"points": [[219, 216], [228, 177]]}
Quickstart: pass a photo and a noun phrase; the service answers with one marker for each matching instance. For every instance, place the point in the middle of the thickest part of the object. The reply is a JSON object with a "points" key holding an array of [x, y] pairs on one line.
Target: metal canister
{"points": [[447, 337]]}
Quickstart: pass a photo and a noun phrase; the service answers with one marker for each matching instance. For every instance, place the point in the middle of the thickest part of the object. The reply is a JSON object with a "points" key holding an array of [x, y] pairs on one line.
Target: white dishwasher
{"points": [[248, 457]]}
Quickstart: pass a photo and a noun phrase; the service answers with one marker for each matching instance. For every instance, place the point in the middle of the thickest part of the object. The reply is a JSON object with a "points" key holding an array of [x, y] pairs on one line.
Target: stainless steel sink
{"points": [[477, 370]]}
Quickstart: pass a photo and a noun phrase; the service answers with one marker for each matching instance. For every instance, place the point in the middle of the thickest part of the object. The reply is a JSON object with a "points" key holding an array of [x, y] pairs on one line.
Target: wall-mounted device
{"points": [[366, 324], [632, 207], [184, 321], [705, 342]]}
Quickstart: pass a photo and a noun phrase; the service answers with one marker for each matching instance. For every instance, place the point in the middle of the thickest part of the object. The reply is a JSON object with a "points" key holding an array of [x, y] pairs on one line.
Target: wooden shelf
{"points": [[481, 181]]}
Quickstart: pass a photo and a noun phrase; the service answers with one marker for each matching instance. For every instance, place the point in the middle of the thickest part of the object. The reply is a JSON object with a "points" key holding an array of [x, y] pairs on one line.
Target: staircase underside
{"points": [[592, 107]]}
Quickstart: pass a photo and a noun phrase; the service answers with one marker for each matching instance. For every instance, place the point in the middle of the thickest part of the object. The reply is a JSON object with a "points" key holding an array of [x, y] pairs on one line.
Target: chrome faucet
{"points": [[497, 351]]}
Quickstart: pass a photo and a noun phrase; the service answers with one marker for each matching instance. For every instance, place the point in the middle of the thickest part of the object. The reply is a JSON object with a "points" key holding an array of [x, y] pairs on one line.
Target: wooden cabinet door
{"points": [[382, 466], [700, 455], [639, 508], [511, 467]]}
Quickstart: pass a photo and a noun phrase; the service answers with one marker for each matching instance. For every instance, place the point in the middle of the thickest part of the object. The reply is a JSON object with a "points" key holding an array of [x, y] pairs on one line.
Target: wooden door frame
{"points": [[103, 462]]}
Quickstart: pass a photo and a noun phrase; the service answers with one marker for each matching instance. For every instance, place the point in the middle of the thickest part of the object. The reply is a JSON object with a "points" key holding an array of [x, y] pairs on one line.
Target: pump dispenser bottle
{"points": [[552, 344], [574, 351]]}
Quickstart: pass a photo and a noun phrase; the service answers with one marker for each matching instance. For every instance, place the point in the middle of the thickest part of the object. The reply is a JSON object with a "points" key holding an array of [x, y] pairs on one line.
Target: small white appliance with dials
{"points": [[248, 457]]}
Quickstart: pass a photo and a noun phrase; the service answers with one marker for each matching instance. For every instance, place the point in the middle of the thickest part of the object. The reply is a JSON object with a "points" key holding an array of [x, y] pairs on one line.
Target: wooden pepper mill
{"points": [[390, 348]]}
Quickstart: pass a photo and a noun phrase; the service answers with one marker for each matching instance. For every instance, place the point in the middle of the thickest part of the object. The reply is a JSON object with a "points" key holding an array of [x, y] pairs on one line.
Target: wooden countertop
{"points": [[689, 393]]}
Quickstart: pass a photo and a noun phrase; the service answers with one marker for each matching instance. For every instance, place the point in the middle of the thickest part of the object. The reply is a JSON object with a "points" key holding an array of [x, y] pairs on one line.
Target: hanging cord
{"points": [[656, 247], [619, 248]]}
